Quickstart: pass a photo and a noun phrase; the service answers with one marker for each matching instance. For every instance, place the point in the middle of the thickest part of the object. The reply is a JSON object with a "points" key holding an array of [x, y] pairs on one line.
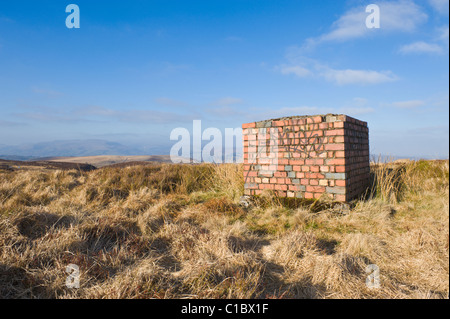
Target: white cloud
{"points": [[438, 45], [395, 16], [356, 110], [356, 107], [421, 47], [46, 92], [305, 67], [227, 101], [440, 5], [102, 114], [443, 35], [170, 102], [360, 102], [9, 123], [409, 104], [224, 111], [344, 77], [296, 70]]}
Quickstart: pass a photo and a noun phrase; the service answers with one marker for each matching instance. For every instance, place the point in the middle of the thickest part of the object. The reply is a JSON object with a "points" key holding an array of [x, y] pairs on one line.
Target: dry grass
{"points": [[178, 231]]}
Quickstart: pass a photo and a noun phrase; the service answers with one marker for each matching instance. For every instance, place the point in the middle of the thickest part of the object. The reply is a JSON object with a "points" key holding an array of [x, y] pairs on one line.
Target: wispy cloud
{"points": [[225, 111], [354, 111], [101, 114], [57, 117], [171, 68], [409, 104], [227, 101], [303, 67], [443, 35], [137, 116], [296, 70], [170, 102], [46, 92], [361, 77], [440, 6], [436, 44], [4, 123], [421, 47], [395, 16]]}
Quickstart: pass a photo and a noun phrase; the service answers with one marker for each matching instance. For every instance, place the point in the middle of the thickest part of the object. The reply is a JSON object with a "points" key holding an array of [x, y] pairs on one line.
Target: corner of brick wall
{"points": [[307, 157]]}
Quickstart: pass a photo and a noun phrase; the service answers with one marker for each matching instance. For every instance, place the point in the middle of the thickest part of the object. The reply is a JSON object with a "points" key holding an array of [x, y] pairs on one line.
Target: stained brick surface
{"points": [[307, 157]]}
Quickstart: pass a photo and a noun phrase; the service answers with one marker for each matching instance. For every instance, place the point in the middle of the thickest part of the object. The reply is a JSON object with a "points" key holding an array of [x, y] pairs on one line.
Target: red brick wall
{"points": [[307, 157]]}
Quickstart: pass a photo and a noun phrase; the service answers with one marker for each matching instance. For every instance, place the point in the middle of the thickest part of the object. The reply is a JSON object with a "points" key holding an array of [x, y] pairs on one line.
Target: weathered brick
{"points": [[335, 175], [336, 190]]}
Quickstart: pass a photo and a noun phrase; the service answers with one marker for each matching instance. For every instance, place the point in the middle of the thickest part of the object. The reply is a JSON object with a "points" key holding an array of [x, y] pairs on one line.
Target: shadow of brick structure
{"points": [[307, 157]]}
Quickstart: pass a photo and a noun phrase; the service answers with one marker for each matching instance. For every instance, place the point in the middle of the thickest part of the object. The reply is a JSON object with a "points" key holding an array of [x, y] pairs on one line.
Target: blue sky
{"points": [[135, 70]]}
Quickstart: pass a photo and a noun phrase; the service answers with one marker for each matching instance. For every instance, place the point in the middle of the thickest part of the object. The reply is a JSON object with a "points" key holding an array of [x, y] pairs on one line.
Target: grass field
{"points": [[178, 231]]}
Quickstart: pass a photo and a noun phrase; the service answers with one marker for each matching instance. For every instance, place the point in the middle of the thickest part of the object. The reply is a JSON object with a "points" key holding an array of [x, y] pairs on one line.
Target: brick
{"points": [[335, 176], [340, 169], [336, 190], [248, 125], [338, 125], [314, 182], [280, 174], [314, 161], [281, 187], [335, 147], [318, 195], [315, 189], [309, 195], [323, 182], [314, 175], [278, 123], [292, 175], [315, 169], [324, 169], [335, 161], [305, 168], [334, 132], [340, 154], [340, 182]]}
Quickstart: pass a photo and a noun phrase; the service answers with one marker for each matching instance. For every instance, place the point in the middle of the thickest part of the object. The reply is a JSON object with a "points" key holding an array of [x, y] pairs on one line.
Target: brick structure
{"points": [[307, 157]]}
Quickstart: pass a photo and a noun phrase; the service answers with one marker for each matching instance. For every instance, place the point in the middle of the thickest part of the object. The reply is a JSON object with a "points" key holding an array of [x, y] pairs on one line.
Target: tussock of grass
{"points": [[178, 231]]}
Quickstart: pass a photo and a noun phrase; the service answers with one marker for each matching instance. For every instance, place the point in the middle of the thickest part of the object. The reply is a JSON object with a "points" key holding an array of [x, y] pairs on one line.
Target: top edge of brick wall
{"points": [[305, 119]]}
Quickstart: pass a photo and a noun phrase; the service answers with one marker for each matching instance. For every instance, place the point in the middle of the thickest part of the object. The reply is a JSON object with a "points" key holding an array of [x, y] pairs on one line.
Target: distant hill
{"points": [[67, 148], [17, 158], [106, 160]]}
